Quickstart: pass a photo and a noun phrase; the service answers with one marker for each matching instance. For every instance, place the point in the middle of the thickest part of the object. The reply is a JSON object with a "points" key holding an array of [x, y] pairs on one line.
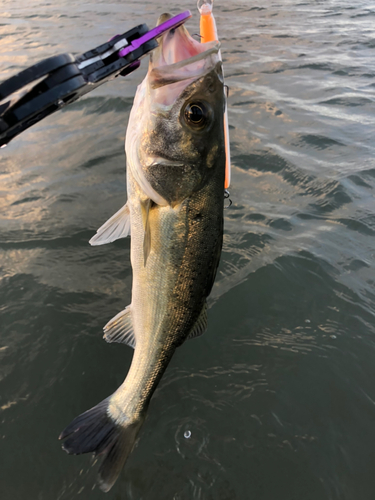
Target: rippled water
{"points": [[277, 399]]}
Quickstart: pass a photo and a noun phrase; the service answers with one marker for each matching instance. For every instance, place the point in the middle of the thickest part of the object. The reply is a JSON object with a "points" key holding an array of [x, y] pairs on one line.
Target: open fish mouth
{"points": [[179, 57]]}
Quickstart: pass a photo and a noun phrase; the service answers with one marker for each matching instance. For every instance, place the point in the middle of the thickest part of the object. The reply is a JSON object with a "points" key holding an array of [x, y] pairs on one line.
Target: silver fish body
{"points": [[175, 182]]}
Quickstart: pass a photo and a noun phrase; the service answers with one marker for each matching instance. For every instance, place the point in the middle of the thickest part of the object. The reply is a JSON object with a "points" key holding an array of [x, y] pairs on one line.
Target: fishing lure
{"points": [[208, 33]]}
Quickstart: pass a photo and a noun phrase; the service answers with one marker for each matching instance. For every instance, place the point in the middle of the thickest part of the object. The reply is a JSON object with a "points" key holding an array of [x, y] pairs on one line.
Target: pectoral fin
{"points": [[201, 324], [120, 329], [118, 226], [146, 206]]}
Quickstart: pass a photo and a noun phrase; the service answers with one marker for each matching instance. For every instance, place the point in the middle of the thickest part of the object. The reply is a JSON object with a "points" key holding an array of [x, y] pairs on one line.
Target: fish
{"points": [[175, 153]]}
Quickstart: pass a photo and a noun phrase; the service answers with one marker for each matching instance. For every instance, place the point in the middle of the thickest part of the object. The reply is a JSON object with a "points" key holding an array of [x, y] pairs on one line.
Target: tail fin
{"points": [[95, 431]]}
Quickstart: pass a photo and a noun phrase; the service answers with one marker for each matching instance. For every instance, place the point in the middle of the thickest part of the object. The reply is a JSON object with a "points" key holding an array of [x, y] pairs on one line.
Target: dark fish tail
{"points": [[95, 431]]}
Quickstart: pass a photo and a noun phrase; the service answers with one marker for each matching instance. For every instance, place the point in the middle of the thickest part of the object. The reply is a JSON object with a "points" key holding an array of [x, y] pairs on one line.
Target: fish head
{"points": [[175, 137]]}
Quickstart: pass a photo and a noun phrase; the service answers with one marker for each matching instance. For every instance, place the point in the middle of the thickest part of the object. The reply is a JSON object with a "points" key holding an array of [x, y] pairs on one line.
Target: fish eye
{"points": [[196, 114]]}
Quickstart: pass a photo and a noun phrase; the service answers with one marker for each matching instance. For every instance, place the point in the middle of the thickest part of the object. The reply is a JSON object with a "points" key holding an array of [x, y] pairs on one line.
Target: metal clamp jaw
{"points": [[62, 79]]}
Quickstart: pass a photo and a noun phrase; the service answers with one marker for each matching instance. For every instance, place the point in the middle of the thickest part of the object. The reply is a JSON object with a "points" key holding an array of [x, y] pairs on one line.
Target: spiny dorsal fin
{"points": [[201, 324], [146, 205], [120, 328], [118, 226]]}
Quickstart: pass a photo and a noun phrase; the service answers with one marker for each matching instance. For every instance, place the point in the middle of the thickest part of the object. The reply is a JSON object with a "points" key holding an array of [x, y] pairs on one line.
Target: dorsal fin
{"points": [[120, 328]]}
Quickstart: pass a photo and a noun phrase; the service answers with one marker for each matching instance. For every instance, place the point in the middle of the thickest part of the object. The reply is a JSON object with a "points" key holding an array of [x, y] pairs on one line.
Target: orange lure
{"points": [[208, 33]]}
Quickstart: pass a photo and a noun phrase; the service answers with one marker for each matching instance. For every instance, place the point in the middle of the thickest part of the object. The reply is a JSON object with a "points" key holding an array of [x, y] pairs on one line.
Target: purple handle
{"points": [[174, 22]]}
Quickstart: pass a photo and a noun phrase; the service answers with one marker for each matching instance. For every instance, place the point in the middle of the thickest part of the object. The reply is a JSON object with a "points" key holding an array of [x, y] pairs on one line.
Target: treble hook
{"points": [[226, 197]]}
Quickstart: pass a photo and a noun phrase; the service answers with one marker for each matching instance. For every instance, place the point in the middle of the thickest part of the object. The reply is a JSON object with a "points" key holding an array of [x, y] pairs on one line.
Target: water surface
{"points": [[279, 394]]}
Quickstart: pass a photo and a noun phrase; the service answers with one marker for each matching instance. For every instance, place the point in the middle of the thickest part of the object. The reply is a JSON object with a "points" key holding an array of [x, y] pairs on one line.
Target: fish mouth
{"points": [[179, 57]]}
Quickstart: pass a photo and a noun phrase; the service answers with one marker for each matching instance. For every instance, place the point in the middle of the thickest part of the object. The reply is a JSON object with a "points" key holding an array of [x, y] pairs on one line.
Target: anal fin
{"points": [[201, 324], [118, 226], [120, 329]]}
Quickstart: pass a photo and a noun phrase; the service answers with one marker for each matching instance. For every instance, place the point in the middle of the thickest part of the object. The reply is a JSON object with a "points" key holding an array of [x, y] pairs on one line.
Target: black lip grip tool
{"points": [[59, 80]]}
